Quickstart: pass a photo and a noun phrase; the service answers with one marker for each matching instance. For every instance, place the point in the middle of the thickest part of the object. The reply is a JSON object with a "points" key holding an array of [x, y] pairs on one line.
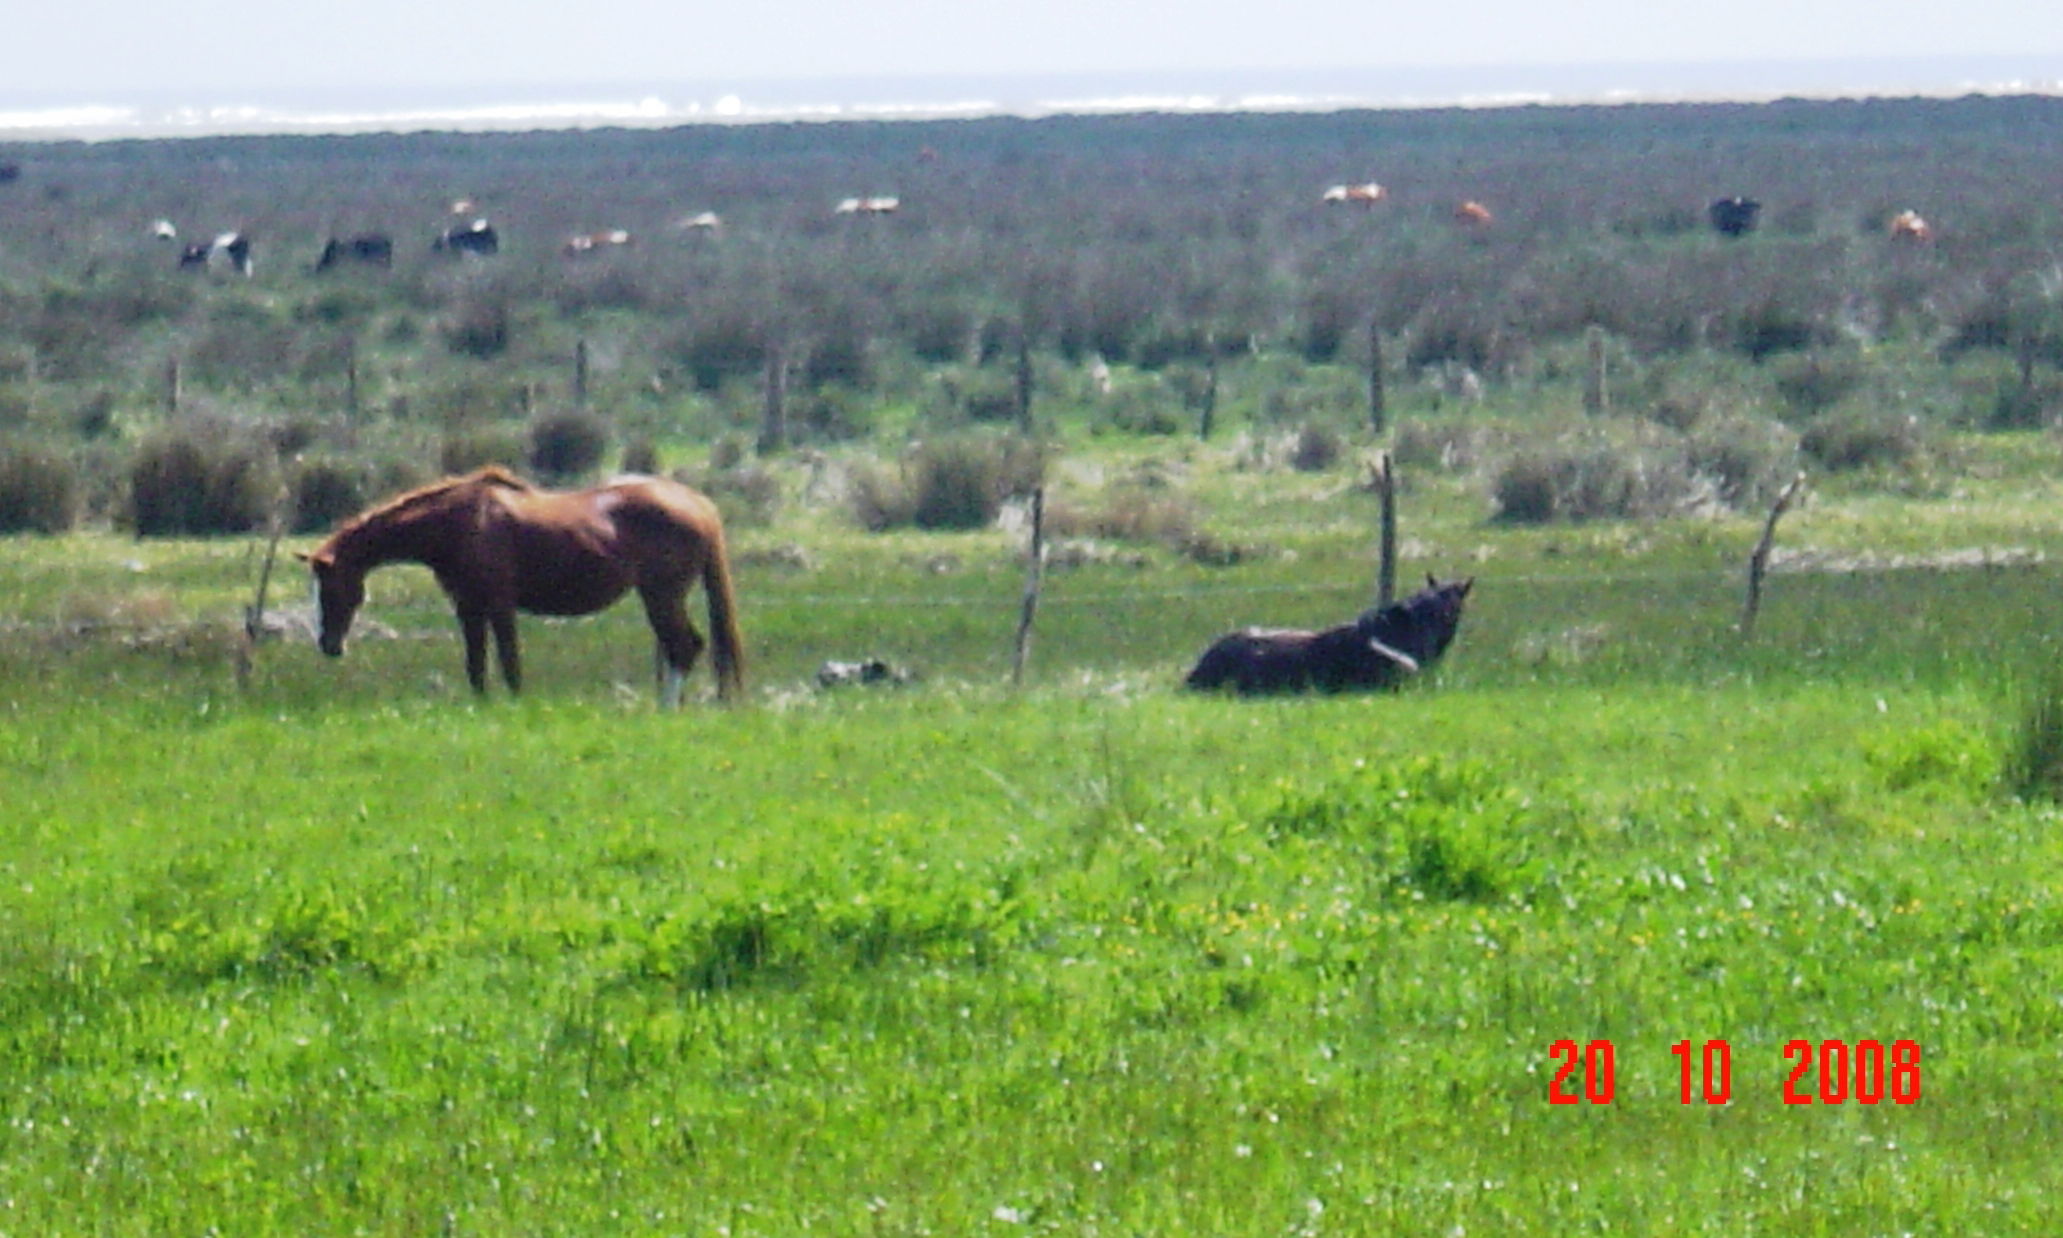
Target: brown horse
{"points": [[498, 544]]}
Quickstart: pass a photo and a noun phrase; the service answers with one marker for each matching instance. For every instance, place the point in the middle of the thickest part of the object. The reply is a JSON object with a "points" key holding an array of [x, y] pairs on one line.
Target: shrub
{"points": [[194, 481], [39, 490], [564, 446], [1318, 449], [1818, 381], [479, 330], [1591, 481], [325, 492], [2033, 765], [747, 494], [641, 456], [958, 483], [1856, 440]]}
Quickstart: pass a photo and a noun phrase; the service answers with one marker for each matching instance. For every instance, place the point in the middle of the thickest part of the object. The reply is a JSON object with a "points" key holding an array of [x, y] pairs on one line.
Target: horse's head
{"points": [[339, 592]]}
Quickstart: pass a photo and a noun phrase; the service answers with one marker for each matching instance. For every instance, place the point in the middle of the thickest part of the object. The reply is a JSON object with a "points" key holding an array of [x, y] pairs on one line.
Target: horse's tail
{"points": [[727, 647]]}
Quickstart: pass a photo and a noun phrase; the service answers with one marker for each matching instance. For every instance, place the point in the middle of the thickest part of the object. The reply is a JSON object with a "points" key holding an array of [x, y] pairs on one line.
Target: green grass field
{"points": [[343, 950]]}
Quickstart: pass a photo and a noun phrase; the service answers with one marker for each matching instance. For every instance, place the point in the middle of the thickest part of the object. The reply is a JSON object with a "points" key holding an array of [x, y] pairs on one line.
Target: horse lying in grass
{"points": [[1379, 650], [498, 544]]}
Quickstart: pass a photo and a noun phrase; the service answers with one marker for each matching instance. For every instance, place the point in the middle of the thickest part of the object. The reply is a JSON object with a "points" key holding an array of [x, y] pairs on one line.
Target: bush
{"points": [[2033, 765], [1857, 440], [1318, 449], [39, 490], [1597, 481], [565, 446], [193, 481], [325, 492], [956, 483]]}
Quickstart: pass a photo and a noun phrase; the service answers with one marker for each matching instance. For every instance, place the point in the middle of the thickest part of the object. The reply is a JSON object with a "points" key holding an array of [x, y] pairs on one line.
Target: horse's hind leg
{"points": [[678, 644]]}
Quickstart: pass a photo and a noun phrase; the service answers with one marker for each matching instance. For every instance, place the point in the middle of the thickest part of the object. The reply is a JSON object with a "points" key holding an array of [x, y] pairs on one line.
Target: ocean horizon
{"points": [[114, 115]]}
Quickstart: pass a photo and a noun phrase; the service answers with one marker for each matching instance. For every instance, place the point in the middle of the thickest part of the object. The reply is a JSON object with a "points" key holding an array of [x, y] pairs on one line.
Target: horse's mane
{"points": [[489, 475]]}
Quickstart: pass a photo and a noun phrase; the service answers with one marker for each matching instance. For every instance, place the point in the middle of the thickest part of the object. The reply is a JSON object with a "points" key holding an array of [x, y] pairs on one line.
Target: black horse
{"points": [[371, 248], [1378, 650]]}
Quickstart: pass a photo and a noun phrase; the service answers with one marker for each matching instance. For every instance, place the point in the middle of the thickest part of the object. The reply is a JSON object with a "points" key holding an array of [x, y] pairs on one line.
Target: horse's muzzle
{"points": [[333, 646]]}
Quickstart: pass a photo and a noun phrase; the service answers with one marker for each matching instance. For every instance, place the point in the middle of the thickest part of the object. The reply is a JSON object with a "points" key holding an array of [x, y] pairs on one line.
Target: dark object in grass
{"points": [[836, 674], [1379, 650], [1733, 216]]}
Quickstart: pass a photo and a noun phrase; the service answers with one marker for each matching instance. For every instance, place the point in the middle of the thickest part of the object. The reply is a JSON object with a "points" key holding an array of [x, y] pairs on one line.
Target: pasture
{"points": [[346, 950], [299, 945]]}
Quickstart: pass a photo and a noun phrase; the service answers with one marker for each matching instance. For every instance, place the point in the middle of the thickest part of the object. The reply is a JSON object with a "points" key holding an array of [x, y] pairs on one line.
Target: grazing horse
{"points": [[371, 248], [1378, 650], [1733, 216], [497, 545]]}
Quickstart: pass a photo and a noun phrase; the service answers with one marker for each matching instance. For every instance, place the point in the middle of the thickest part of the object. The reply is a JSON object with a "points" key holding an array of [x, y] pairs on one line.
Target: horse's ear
{"points": [[1467, 584], [1431, 583]]}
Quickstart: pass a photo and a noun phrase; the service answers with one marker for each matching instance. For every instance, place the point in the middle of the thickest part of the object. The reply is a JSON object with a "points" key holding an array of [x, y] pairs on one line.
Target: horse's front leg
{"points": [[504, 622], [473, 625]]}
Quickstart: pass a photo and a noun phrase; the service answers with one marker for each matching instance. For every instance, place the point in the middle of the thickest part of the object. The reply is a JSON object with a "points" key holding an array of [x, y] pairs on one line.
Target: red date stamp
{"points": [[1826, 1072]]}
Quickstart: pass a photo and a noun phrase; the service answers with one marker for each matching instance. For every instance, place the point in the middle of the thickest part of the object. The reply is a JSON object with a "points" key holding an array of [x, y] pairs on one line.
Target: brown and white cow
{"points": [[868, 206], [588, 243], [1908, 226], [1360, 195], [1473, 214]]}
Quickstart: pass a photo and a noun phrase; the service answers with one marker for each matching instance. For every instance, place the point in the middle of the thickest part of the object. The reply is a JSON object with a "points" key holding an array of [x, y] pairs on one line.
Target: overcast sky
{"points": [[82, 47]]}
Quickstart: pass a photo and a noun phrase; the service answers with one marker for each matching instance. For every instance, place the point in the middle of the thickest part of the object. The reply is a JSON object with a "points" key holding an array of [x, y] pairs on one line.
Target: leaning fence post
{"points": [[580, 374], [172, 387], [1758, 562], [1033, 572], [254, 614], [1385, 478]]}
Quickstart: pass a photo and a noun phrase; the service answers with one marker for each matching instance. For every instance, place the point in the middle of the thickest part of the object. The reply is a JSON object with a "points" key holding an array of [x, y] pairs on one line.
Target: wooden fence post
{"points": [[1033, 573], [1378, 400], [1758, 562], [1386, 559], [773, 428], [351, 377], [1024, 382], [1597, 399], [1208, 415], [172, 387], [580, 374]]}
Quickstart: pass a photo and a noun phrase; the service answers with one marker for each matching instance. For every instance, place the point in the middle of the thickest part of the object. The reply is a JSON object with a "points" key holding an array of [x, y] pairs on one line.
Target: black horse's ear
{"points": [[1467, 584], [1430, 583]]}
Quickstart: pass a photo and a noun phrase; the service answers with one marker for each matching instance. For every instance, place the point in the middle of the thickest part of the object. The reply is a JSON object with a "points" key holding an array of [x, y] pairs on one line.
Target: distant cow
{"points": [[701, 221], [868, 206], [9, 172], [1360, 195], [162, 230], [1473, 214], [230, 249], [370, 248], [1908, 226], [1733, 216], [477, 238], [595, 242]]}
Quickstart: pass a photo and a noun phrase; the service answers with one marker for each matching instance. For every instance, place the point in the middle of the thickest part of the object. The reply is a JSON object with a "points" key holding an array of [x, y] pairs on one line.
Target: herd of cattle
{"points": [[476, 237]]}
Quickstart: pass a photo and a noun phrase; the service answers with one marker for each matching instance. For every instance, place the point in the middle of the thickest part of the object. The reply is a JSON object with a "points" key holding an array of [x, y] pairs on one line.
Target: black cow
{"points": [[371, 248], [9, 172], [477, 238], [1733, 216]]}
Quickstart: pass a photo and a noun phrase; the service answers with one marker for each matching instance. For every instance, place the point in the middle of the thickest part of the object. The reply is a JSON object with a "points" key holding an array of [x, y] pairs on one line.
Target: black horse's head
{"points": [[339, 592], [1422, 625]]}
